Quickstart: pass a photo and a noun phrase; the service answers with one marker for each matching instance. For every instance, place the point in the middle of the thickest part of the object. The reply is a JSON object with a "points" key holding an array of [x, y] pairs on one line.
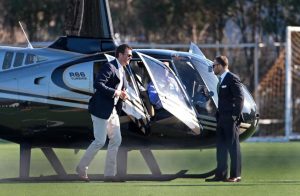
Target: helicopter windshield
{"points": [[198, 88], [204, 69]]}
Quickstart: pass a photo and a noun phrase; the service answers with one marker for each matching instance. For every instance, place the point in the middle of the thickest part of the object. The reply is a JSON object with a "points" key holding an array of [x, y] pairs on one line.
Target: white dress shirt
{"points": [[121, 75], [222, 76]]}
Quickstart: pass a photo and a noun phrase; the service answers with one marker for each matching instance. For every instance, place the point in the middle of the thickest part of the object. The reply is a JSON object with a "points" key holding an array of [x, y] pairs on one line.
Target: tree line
{"points": [[164, 21]]}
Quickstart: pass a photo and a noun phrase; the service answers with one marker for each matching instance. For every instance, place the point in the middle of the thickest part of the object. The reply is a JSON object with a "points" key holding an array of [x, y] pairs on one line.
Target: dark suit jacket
{"points": [[231, 97], [102, 102]]}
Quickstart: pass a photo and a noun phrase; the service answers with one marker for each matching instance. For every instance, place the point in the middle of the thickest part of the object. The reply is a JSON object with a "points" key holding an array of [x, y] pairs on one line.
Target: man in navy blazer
{"points": [[229, 116], [104, 107]]}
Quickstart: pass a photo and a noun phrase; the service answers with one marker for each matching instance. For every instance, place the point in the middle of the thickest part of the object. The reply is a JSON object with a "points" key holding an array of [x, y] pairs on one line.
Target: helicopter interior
{"points": [[192, 83], [142, 79]]}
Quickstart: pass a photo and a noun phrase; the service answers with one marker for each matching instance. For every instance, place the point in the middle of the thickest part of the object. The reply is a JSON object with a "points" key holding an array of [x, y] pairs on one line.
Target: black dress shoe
{"points": [[215, 179], [113, 179]]}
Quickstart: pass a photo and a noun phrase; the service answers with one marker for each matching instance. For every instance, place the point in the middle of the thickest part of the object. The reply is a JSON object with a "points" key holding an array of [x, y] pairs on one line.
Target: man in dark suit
{"points": [[104, 107], [229, 116]]}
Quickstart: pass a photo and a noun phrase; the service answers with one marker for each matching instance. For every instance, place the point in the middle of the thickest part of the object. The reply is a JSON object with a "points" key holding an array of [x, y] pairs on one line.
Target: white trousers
{"points": [[102, 129]]}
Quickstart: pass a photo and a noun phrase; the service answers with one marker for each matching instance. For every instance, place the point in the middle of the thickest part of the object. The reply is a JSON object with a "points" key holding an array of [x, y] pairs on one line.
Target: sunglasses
{"points": [[213, 65], [128, 55]]}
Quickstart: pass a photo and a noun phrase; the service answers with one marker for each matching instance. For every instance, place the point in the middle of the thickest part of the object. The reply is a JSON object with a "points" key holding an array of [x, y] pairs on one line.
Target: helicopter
{"points": [[44, 95]]}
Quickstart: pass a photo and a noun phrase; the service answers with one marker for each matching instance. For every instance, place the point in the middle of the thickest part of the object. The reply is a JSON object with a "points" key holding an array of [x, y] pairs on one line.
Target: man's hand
{"points": [[117, 93], [123, 95]]}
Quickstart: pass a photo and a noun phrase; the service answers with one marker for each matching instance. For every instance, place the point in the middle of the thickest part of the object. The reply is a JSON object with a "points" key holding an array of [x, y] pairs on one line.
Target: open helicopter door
{"points": [[194, 49], [134, 106], [171, 92]]}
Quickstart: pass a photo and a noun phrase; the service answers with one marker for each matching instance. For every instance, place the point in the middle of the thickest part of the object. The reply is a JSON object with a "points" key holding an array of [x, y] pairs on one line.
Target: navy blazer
{"points": [[102, 102], [231, 97]]}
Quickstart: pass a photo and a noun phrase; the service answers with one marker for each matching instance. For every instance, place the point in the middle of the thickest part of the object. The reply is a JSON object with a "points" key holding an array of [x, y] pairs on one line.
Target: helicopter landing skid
{"points": [[153, 166], [122, 159]]}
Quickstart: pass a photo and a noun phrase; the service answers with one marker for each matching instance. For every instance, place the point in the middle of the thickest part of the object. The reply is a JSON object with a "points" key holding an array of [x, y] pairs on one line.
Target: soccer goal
{"points": [[279, 94], [292, 91]]}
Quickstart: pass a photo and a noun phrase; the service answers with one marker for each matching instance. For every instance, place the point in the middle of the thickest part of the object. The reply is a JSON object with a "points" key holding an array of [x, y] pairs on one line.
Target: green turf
{"points": [[268, 169]]}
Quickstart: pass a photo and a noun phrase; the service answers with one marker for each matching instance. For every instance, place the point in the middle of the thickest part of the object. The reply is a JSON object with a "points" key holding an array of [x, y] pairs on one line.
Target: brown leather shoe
{"points": [[235, 179], [82, 174]]}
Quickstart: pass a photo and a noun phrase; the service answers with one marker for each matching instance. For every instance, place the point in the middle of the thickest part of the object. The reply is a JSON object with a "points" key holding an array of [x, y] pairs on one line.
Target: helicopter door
{"points": [[134, 106], [170, 92]]}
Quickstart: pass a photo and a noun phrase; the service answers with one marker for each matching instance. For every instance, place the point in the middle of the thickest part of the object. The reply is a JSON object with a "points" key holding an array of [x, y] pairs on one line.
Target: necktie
{"points": [[218, 85]]}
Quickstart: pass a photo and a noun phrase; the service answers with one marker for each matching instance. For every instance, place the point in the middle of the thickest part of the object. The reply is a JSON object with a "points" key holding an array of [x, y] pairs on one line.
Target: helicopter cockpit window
{"points": [[32, 58], [210, 79], [189, 76], [195, 86], [7, 60], [18, 59], [166, 83], [41, 58], [141, 74]]}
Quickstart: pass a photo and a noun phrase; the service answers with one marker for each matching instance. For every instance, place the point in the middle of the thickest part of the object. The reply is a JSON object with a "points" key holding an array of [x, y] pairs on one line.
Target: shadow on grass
{"points": [[167, 183], [94, 177], [100, 177], [226, 184]]}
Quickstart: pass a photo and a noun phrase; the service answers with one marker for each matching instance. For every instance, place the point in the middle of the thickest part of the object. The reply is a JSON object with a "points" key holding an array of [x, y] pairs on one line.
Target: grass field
{"points": [[268, 169]]}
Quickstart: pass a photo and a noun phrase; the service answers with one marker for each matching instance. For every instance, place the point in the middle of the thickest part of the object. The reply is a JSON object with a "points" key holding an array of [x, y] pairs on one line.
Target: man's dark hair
{"points": [[121, 49], [222, 60]]}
